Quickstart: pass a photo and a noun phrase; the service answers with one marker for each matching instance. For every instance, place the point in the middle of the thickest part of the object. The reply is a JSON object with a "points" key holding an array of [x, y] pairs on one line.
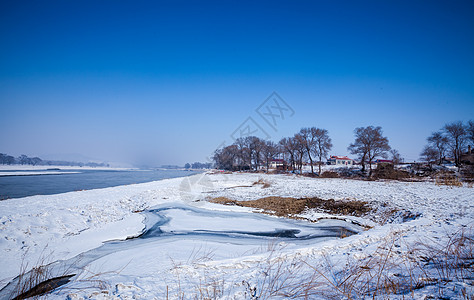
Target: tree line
{"points": [[6, 159], [198, 165], [313, 144], [310, 144], [452, 139]]}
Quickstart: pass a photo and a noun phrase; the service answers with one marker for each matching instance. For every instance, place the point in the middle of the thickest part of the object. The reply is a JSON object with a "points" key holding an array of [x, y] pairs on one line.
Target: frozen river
{"points": [[49, 182], [175, 231]]}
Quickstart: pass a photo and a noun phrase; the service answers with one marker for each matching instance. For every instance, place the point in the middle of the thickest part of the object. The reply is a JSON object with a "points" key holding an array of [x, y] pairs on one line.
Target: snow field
{"points": [[65, 225]]}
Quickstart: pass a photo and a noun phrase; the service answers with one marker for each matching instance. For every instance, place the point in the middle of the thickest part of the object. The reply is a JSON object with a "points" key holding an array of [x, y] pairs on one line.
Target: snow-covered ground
{"points": [[204, 249]]}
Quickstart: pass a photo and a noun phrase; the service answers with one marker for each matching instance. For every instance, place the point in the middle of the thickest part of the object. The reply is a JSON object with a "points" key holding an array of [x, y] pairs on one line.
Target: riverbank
{"points": [[48, 228]]}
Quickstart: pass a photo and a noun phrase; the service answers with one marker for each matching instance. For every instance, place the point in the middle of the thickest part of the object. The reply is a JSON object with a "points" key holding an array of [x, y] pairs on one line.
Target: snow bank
{"points": [[65, 225]]}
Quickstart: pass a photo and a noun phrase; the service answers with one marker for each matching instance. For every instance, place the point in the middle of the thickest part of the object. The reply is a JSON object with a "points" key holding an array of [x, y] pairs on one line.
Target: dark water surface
{"points": [[23, 186]]}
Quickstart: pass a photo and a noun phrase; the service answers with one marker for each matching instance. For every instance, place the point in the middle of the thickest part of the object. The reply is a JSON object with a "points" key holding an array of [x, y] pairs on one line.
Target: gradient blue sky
{"points": [[166, 82]]}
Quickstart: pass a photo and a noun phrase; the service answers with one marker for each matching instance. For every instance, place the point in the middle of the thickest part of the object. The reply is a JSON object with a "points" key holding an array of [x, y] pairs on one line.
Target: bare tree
{"points": [[456, 133], [323, 145], [369, 144], [299, 145], [429, 154], [36, 161], [470, 131], [438, 141], [227, 157], [288, 146], [243, 153], [23, 160], [255, 146], [269, 152], [316, 142], [306, 138], [396, 157]]}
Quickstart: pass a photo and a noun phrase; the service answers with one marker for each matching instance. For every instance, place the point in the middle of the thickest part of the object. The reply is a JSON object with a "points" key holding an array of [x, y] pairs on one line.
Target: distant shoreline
{"points": [[45, 168], [34, 173]]}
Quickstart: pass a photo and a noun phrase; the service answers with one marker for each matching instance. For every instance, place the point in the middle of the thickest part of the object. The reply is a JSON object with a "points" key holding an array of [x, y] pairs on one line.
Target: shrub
{"points": [[329, 174]]}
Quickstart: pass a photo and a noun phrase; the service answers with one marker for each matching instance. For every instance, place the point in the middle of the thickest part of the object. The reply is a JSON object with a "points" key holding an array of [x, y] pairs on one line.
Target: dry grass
{"points": [[448, 179], [329, 174], [33, 282], [387, 171], [262, 182], [46, 278], [392, 270], [290, 207]]}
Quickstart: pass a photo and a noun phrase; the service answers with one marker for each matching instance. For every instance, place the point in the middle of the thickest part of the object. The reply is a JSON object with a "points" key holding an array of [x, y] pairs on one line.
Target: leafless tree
{"points": [[438, 141], [429, 154], [306, 138], [456, 134], [255, 146], [470, 131], [323, 145], [369, 144], [243, 152], [227, 157], [288, 146], [269, 151], [316, 142], [396, 157], [299, 144]]}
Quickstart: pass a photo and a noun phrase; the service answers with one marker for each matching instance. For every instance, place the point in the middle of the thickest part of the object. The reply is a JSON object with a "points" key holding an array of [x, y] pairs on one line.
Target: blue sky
{"points": [[166, 82]]}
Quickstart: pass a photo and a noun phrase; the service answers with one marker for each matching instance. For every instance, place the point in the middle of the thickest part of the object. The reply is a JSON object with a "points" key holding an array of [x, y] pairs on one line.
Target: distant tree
{"points": [[200, 165], [10, 160], [288, 146], [243, 152], [299, 145], [323, 145], [429, 154], [369, 144], [396, 157], [438, 141], [36, 161], [6, 159], [3, 158], [269, 152], [23, 160], [255, 146], [226, 158], [470, 131], [187, 166], [456, 134], [306, 138]]}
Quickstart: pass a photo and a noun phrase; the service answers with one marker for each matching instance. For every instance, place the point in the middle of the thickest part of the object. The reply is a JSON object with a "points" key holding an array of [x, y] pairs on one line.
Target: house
{"points": [[340, 161], [277, 164]]}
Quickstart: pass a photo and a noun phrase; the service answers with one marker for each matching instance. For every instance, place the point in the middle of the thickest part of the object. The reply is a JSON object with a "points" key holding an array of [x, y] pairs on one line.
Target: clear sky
{"points": [[166, 82]]}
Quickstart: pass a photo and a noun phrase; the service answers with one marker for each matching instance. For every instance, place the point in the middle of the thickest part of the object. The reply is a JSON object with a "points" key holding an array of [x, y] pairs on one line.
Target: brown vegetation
{"points": [[449, 179], [263, 183], [330, 174], [288, 207], [387, 171]]}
